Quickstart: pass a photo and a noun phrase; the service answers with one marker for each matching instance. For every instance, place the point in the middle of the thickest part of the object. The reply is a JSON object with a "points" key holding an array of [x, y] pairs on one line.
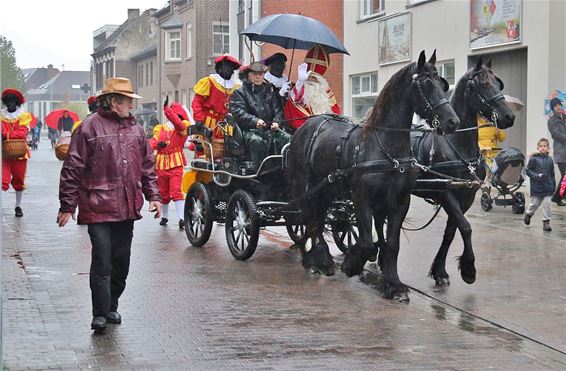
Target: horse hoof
{"points": [[327, 270], [469, 279], [373, 258], [402, 297], [312, 270], [442, 281]]}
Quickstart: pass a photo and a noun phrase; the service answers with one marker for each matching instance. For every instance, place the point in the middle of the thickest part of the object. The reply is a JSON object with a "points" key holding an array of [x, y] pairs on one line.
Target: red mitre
{"points": [[317, 60]]}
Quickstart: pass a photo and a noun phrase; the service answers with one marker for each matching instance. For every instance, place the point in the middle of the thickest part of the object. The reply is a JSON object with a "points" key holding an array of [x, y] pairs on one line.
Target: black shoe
{"points": [[163, 221], [19, 212], [527, 219], [181, 224], [98, 323], [560, 203], [113, 317], [546, 226]]}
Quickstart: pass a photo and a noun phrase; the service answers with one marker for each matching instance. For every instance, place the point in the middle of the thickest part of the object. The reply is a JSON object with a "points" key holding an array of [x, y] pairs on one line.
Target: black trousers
{"points": [[111, 243], [562, 168]]}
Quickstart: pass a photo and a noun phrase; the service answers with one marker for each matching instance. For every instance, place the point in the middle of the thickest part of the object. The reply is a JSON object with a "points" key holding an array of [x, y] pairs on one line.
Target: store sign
{"points": [[395, 39], [494, 22]]}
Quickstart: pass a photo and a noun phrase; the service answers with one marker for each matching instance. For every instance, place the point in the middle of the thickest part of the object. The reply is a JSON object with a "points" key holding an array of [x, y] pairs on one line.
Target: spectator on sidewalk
{"points": [[540, 170], [557, 127], [108, 166]]}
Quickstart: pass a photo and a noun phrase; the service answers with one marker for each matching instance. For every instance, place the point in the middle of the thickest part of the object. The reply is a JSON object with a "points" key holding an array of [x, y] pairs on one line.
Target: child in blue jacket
{"points": [[540, 170]]}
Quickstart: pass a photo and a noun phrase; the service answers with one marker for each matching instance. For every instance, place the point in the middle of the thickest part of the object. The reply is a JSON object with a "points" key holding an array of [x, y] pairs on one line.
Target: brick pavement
{"points": [[190, 308]]}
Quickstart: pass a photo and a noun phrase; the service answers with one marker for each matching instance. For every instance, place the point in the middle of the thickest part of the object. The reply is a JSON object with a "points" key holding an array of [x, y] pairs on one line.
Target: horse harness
{"points": [[342, 171]]}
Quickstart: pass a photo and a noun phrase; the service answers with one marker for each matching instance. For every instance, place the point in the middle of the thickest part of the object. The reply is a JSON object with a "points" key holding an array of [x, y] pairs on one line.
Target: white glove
{"points": [[285, 89], [302, 73]]}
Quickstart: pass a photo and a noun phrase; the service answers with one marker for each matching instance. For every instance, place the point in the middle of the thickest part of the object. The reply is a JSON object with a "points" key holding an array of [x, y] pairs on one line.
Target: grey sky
{"points": [[59, 32]]}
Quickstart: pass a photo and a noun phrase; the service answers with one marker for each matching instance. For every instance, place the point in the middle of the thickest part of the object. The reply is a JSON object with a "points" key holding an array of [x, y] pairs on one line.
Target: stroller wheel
{"points": [[518, 206], [486, 202]]}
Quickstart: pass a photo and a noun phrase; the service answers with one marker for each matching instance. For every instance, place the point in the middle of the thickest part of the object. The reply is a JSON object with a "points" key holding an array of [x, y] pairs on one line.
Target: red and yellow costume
{"points": [[170, 160], [15, 125], [212, 98], [317, 61], [489, 139]]}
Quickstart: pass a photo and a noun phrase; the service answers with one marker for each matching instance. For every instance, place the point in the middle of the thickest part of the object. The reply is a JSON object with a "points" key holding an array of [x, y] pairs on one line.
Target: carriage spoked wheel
{"points": [[296, 231], [345, 235], [518, 206], [198, 214], [242, 225], [486, 202]]}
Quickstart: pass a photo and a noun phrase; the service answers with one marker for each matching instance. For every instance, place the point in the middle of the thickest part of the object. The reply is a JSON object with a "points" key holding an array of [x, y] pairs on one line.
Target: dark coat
{"points": [[541, 164], [108, 166], [250, 103], [65, 123], [557, 128]]}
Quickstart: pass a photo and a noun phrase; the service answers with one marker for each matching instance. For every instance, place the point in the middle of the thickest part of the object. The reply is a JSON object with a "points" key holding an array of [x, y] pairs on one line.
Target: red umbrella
{"points": [[52, 119], [33, 122]]}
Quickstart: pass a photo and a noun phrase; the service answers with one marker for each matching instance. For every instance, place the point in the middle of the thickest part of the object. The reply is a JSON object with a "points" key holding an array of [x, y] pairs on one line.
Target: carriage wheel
{"points": [[486, 202], [296, 231], [518, 206], [242, 225], [198, 214], [345, 235]]}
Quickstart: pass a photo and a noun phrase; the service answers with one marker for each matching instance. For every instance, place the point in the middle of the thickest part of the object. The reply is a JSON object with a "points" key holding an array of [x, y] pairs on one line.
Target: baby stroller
{"points": [[32, 141], [506, 178]]}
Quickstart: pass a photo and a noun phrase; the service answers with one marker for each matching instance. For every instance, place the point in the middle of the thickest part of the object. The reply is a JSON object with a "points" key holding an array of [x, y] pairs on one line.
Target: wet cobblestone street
{"points": [[199, 308]]}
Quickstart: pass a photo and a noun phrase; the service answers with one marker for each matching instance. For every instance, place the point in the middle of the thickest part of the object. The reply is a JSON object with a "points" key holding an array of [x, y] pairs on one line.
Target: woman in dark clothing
{"points": [[65, 123]]}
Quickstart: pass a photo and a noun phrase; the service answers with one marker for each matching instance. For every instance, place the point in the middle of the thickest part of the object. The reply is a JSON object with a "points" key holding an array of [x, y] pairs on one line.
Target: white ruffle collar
{"points": [[227, 84], [13, 115]]}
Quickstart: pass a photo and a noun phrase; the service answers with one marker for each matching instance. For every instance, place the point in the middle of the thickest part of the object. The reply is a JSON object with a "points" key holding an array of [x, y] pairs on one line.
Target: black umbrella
{"points": [[293, 31]]}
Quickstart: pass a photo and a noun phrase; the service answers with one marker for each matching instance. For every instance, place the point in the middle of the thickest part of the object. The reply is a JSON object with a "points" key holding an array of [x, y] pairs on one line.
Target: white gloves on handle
{"points": [[285, 89]]}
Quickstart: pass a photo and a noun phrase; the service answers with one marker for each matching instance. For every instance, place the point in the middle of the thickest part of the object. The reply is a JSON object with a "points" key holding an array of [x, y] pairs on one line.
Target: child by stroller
{"points": [[540, 170]]}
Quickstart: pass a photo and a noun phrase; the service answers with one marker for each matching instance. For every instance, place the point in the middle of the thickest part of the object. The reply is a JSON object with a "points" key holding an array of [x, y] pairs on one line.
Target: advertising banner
{"points": [[395, 39], [494, 22]]}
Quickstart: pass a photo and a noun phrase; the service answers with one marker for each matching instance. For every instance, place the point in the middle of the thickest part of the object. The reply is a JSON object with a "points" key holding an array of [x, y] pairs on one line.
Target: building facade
{"points": [[192, 34], [129, 50], [245, 12], [523, 38], [48, 89]]}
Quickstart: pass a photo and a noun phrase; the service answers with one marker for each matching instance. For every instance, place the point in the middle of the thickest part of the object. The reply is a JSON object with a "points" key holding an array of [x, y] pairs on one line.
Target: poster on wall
{"points": [[395, 39], [494, 22]]}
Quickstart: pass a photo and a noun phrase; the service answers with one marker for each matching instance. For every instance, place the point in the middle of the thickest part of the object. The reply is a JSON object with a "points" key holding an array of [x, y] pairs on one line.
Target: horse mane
{"points": [[386, 97]]}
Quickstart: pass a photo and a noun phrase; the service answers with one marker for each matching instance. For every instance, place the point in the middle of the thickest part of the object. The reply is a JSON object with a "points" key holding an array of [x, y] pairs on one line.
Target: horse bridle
{"points": [[473, 84], [429, 107]]}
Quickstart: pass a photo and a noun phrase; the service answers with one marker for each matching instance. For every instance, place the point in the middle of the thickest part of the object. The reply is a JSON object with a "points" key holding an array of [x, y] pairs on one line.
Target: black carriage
{"points": [[229, 190]]}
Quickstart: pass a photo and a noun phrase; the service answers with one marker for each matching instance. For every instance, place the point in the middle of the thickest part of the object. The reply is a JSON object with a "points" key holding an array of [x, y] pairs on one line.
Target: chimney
{"points": [[133, 13], [51, 72]]}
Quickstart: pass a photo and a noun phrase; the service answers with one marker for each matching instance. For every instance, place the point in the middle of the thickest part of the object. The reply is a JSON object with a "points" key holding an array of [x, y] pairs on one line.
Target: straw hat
{"points": [[119, 85]]}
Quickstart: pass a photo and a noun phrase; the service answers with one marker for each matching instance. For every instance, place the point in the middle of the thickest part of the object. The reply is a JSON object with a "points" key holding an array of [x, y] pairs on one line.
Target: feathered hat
{"points": [[18, 94]]}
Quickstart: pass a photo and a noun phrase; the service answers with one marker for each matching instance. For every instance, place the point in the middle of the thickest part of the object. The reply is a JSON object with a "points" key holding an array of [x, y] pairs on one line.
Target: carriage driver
{"points": [[257, 110]]}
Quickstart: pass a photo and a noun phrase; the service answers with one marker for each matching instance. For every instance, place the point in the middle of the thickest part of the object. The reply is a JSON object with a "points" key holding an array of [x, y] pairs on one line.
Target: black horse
{"points": [[457, 155], [372, 165]]}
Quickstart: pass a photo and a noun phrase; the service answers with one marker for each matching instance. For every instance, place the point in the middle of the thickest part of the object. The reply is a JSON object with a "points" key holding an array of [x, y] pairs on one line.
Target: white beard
{"points": [[316, 96]]}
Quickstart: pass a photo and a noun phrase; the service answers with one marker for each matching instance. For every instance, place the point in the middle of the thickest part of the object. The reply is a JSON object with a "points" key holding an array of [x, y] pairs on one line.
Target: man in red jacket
{"points": [[108, 166], [168, 140], [15, 125]]}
